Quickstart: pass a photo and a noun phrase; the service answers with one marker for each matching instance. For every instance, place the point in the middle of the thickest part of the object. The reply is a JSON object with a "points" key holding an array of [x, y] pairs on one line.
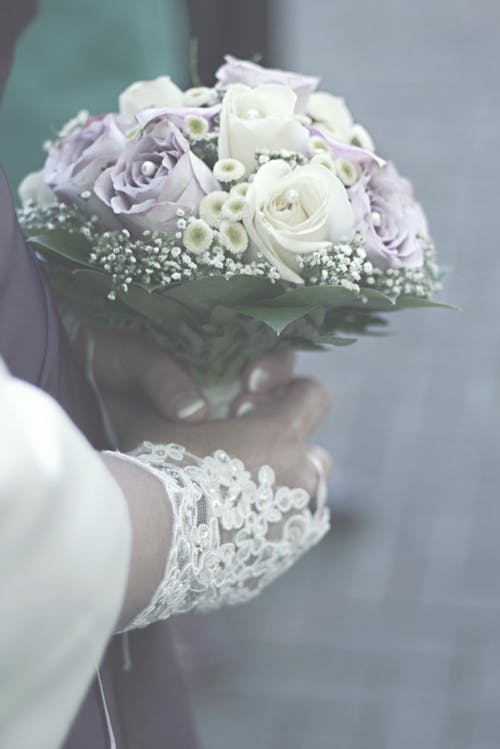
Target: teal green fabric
{"points": [[80, 54]]}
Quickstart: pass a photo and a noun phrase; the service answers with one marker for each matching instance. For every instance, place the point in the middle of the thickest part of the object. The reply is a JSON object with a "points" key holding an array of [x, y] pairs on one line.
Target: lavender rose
{"points": [[387, 215], [155, 176], [242, 71], [76, 161]]}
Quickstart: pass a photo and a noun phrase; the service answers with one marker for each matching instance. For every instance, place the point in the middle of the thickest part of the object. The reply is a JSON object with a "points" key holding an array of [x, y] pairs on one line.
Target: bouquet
{"points": [[224, 222]]}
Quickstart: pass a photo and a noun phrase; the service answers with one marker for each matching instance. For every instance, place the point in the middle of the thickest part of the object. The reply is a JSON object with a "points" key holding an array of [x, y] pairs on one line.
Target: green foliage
{"points": [[67, 246], [215, 325]]}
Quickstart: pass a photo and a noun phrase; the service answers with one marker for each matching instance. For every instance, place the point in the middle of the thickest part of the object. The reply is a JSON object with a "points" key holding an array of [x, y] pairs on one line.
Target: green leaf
{"points": [[82, 286], [157, 307], [327, 296], [409, 302], [278, 318], [72, 247], [203, 294], [335, 340], [332, 297]]}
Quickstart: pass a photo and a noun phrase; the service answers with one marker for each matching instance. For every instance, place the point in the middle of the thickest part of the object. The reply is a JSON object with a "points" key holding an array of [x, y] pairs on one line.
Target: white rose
{"points": [[331, 113], [295, 211], [34, 190], [332, 117], [259, 118], [160, 92]]}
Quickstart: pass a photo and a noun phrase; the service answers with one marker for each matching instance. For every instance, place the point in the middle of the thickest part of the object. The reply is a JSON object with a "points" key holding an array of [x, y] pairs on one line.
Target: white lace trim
{"points": [[232, 536]]}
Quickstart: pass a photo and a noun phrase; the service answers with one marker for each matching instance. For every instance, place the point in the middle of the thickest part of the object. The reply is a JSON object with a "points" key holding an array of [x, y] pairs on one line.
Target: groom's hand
{"points": [[125, 364]]}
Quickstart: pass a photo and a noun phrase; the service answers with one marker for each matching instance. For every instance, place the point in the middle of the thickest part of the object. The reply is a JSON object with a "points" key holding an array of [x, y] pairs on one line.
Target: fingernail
{"points": [[323, 456], [187, 405], [245, 408], [258, 379]]}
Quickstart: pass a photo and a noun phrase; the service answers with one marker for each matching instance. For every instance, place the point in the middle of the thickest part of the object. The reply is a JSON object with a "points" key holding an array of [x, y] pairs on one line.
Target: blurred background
{"points": [[388, 635]]}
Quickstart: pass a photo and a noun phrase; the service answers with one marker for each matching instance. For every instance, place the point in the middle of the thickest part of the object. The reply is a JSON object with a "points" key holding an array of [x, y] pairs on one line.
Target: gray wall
{"points": [[388, 636]]}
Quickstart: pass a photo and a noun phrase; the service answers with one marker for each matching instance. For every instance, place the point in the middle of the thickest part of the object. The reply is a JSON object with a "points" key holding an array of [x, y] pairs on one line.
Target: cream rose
{"points": [[332, 116], [331, 113], [289, 212], [160, 92], [259, 118]]}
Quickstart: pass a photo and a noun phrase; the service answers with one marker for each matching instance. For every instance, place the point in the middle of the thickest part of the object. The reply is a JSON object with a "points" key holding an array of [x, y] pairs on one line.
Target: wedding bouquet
{"points": [[224, 222]]}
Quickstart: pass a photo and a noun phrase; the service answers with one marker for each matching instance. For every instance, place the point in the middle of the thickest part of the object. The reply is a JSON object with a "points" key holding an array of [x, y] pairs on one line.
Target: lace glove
{"points": [[232, 536]]}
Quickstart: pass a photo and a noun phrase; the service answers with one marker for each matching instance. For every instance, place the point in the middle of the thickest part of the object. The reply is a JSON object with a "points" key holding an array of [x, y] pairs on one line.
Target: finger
{"points": [[302, 407], [246, 403], [143, 366], [322, 456], [121, 412], [269, 372], [322, 462], [311, 472], [170, 389]]}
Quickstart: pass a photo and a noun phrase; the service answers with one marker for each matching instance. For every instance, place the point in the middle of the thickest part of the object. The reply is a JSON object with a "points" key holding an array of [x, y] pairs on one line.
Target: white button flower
{"points": [[211, 207], [290, 212], [198, 236], [234, 237], [199, 96], [196, 127], [160, 92], [228, 170], [259, 118], [360, 137]]}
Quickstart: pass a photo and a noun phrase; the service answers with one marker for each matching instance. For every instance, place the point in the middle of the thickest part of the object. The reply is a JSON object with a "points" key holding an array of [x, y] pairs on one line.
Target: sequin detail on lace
{"points": [[232, 535]]}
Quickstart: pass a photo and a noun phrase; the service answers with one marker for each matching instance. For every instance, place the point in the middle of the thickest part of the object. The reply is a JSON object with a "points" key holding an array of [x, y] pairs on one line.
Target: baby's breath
{"points": [[423, 282], [196, 250]]}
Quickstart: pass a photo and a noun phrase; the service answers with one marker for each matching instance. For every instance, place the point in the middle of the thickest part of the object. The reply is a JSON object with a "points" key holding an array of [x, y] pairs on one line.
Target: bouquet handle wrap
{"points": [[219, 398]]}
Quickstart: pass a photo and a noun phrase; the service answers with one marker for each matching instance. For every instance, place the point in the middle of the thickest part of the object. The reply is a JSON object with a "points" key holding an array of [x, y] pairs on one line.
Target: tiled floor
{"points": [[388, 635]]}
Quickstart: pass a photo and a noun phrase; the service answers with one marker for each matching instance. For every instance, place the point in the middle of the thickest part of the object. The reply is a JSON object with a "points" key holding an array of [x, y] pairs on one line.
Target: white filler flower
{"points": [[360, 137], [348, 172], [233, 237], [240, 189], [211, 207], [228, 170], [233, 208], [198, 236], [160, 92], [324, 159], [196, 127], [259, 118], [292, 212], [199, 96]]}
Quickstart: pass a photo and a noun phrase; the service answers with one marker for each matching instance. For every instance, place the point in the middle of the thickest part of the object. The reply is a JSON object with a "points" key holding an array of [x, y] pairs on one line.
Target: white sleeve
{"points": [[64, 558]]}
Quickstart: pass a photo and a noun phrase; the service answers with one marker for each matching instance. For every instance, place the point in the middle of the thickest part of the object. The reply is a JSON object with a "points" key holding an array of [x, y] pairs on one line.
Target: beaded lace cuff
{"points": [[232, 535]]}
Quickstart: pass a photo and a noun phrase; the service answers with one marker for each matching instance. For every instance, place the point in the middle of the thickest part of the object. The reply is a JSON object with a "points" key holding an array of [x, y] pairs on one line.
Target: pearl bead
{"points": [[148, 169], [292, 197], [253, 114], [376, 219]]}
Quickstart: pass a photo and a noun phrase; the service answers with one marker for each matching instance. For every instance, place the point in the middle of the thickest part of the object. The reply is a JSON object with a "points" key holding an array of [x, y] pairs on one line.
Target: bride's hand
{"points": [[125, 364], [276, 431]]}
